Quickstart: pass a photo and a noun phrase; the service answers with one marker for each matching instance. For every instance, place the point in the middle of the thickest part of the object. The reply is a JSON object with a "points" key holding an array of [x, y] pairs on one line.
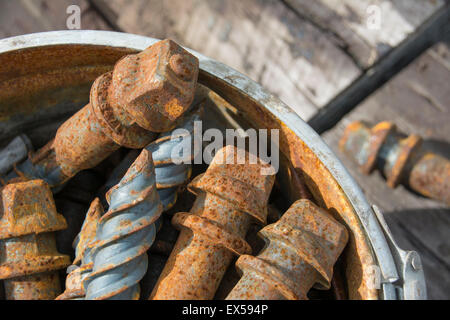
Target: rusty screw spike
{"points": [[400, 159], [82, 244], [77, 274], [81, 273], [169, 176], [117, 173], [145, 93], [229, 198], [124, 234], [301, 249], [29, 259]]}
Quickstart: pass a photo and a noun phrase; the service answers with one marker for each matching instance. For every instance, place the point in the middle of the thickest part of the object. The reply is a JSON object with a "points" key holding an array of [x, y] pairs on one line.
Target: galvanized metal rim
{"points": [[246, 87]]}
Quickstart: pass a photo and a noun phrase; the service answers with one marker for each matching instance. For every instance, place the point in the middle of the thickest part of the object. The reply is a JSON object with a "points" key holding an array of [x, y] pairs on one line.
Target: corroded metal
{"points": [[301, 249], [145, 93], [88, 230], [169, 175], [77, 58], [166, 237], [16, 151], [74, 289], [73, 202], [400, 159], [29, 259], [117, 173], [230, 196], [124, 234], [82, 245]]}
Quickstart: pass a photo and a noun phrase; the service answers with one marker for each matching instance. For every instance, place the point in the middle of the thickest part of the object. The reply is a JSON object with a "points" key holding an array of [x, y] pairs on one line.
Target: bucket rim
{"points": [[369, 221]]}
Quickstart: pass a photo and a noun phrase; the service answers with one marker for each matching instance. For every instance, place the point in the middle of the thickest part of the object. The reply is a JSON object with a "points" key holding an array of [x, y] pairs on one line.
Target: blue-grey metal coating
{"points": [[83, 244], [14, 152], [77, 275], [87, 263], [117, 173], [246, 88], [169, 175], [124, 234], [35, 171]]}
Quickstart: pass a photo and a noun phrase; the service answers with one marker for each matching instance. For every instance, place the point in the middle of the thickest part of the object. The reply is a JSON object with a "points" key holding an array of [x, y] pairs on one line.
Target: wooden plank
{"points": [[15, 20], [436, 271], [428, 34], [417, 101], [263, 39], [441, 52], [368, 29], [29, 16]]}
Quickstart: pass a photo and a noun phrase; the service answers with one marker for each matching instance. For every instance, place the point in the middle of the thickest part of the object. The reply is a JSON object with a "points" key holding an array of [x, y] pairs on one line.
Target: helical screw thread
{"points": [[82, 244], [300, 252], [170, 175], [229, 198], [124, 234]]}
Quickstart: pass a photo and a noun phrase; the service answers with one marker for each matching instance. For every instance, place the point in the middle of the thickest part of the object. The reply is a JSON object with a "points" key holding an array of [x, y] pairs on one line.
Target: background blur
{"points": [[331, 61]]}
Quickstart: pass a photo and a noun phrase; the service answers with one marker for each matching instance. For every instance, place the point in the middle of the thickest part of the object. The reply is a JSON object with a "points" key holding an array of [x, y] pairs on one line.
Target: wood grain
{"points": [[353, 22], [262, 39], [417, 101], [29, 16]]}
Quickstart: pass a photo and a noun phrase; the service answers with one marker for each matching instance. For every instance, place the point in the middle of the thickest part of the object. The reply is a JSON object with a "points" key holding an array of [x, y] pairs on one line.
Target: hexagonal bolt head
{"points": [[29, 258], [156, 86], [28, 207]]}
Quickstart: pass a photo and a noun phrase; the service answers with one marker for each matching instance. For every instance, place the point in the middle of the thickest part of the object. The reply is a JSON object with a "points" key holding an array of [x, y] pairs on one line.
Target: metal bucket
{"points": [[46, 77]]}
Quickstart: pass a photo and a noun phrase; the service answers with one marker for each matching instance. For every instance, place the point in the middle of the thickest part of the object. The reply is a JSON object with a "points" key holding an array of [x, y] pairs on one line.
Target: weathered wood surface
{"points": [[305, 52], [29, 16], [367, 30], [433, 30], [418, 101], [263, 39]]}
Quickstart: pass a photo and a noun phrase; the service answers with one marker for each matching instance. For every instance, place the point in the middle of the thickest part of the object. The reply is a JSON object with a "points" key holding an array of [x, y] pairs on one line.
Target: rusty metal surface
{"points": [[229, 198], [328, 181], [82, 245], [300, 252], [325, 176], [125, 233], [430, 175], [34, 90], [29, 259], [174, 73], [73, 202], [167, 235], [74, 289], [400, 159], [88, 230], [170, 176], [145, 93], [117, 173]]}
